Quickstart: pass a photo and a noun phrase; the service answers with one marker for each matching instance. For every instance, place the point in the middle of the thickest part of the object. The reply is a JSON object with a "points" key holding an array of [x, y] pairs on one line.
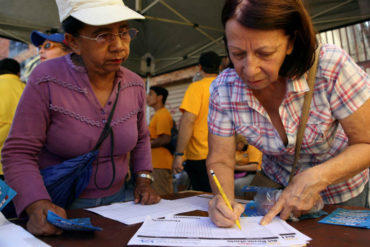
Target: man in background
{"points": [[193, 132], [160, 135], [11, 88]]}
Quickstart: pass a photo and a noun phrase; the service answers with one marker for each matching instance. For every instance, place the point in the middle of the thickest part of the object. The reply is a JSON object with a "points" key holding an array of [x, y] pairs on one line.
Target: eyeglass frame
{"points": [[51, 44], [132, 32]]}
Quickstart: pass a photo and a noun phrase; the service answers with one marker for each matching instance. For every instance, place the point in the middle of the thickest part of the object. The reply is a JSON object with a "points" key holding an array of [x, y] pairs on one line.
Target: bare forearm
{"points": [[225, 174], [161, 141], [185, 133], [351, 161], [221, 159], [246, 167]]}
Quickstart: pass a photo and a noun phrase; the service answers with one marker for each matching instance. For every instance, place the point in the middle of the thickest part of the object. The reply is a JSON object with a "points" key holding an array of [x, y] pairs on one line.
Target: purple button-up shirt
{"points": [[59, 117]]}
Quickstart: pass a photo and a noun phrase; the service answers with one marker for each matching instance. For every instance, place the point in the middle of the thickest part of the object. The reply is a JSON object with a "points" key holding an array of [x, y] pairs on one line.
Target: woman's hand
{"points": [[221, 214], [301, 195], [144, 193], [177, 166], [37, 213]]}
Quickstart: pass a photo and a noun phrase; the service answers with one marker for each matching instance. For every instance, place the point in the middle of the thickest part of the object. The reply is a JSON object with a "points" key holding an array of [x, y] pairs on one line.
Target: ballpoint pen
{"points": [[223, 194]]}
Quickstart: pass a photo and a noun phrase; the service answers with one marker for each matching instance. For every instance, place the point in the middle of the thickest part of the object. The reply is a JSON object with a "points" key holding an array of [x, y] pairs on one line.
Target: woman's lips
{"points": [[116, 61], [254, 82]]}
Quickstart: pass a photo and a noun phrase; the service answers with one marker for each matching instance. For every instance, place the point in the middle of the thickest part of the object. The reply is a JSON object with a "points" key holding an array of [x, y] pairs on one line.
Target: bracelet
{"points": [[146, 175], [178, 154]]}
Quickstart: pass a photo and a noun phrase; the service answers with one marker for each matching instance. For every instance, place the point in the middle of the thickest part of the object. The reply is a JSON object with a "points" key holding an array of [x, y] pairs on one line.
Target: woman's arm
{"points": [[184, 135], [303, 191], [250, 167], [221, 159], [141, 160]]}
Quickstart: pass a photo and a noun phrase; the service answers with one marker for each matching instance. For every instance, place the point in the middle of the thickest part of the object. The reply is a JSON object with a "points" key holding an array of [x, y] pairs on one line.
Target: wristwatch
{"points": [[146, 175], [178, 154]]}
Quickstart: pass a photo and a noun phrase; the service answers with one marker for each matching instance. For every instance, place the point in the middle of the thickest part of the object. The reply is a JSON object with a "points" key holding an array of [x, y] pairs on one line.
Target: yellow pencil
{"points": [[223, 194]]}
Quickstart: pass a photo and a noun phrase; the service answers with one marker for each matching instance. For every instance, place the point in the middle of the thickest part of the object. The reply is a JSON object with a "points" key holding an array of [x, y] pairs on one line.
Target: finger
{"points": [[136, 197], [219, 219], [144, 198], [155, 198], [151, 198], [44, 228], [227, 217], [238, 209], [297, 213], [275, 210]]}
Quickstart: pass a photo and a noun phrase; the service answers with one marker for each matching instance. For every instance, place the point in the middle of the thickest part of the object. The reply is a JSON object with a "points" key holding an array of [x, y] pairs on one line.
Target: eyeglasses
{"points": [[110, 37], [48, 45]]}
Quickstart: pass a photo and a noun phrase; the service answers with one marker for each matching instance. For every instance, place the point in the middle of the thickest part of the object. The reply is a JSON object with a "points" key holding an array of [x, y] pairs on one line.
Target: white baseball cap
{"points": [[96, 12]]}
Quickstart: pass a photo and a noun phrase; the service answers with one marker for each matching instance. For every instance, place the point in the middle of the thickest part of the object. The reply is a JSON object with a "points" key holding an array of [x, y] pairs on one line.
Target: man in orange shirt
{"points": [[193, 132], [160, 135]]}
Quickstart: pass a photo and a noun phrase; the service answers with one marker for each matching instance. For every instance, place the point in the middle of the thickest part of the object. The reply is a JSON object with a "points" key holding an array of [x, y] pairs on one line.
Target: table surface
{"points": [[118, 234]]}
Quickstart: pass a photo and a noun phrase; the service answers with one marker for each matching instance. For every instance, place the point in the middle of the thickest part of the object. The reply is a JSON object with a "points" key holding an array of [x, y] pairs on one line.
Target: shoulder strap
{"points": [[106, 131], [305, 111]]}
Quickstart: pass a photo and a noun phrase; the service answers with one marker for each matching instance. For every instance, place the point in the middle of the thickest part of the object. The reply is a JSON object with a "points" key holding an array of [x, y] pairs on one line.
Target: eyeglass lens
{"points": [[109, 37], [46, 46]]}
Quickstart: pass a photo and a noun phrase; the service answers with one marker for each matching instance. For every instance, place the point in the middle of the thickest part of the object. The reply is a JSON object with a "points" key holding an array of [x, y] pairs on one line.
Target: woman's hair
{"points": [[72, 26], [65, 47], [242, 139], [288, 15]]}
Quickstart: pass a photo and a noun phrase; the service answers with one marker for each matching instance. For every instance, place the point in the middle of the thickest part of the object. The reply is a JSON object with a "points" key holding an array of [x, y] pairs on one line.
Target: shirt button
{"points": [[104, 121], [109, 102], [102, 112]]}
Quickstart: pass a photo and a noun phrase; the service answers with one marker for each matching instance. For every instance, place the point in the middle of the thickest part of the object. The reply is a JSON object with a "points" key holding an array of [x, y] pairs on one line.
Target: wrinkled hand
{"points": [[221, 214], [37, 213], [144, 193], [177, 166], [301, 195]]}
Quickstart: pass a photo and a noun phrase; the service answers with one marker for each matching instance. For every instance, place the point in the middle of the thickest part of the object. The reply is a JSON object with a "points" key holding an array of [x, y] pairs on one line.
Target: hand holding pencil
{"points": [[224, 197]]}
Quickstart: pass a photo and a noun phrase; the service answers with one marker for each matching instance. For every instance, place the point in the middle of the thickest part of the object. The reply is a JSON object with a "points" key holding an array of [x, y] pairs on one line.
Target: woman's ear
{"points": [[290, 46], [72, 43]]}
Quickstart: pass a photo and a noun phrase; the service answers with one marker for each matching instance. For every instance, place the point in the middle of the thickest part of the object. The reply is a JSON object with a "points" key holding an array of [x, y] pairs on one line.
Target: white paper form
{"points": [[13, 235], [131, 213], [200, 202], [200, 231]]}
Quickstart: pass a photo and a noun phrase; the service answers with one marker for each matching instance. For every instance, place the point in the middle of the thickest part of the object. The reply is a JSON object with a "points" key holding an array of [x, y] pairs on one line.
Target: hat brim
{"points": [[38, 38], [106, 15]]}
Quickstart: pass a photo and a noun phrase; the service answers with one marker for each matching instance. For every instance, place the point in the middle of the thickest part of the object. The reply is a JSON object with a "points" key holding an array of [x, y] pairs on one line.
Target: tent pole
{"points": [[149, 7], [330, 9]]}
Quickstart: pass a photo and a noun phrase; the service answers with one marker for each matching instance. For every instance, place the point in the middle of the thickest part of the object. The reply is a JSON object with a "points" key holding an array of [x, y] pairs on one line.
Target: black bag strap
{"points": [[106, 130], [105, 133]]}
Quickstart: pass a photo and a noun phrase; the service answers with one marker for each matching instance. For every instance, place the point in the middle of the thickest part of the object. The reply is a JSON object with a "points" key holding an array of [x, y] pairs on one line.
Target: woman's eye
{"points": [[264, 54], [238, 55]]}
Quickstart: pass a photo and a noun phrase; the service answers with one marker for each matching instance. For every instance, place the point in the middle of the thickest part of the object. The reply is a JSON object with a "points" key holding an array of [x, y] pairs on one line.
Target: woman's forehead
{"points": [[108, 27]]}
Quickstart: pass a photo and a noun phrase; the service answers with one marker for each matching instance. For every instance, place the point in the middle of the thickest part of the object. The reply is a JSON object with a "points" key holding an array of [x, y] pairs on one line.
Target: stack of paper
{"points": [[131, 213], [12, 235], [200, 231]]}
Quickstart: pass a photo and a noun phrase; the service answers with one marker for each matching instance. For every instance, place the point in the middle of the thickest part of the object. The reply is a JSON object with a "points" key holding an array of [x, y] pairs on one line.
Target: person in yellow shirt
{"points": [[248, 160], [11, 88], [160, 135], [193, 131]]}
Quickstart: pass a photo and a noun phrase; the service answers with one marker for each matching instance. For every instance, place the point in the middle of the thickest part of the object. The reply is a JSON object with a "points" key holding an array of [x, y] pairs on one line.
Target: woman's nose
{"points": [[118, 44], [251, 67]]}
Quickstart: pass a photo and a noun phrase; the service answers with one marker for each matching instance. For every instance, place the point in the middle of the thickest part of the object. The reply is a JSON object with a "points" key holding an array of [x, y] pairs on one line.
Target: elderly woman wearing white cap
{"points": [[65, 106]]}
